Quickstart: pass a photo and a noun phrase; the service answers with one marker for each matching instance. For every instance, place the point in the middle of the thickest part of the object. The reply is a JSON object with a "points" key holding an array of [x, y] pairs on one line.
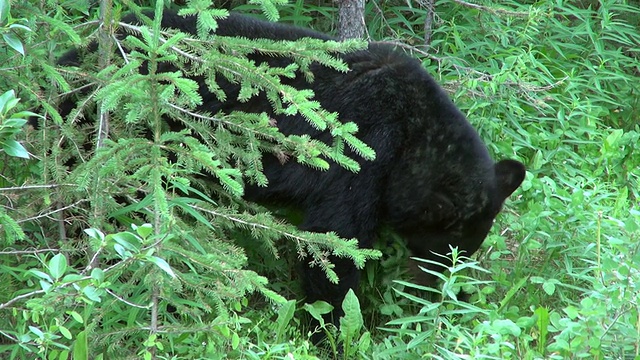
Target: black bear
{"points": [[433, 180]]}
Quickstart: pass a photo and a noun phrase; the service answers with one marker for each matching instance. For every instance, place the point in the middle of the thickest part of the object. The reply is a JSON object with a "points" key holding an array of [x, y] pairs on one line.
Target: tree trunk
{"points": [[428, 21], [351, 24]]}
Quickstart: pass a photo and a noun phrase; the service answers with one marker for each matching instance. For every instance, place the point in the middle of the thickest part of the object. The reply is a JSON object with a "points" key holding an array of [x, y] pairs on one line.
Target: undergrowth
{"points": [[553, 84]]}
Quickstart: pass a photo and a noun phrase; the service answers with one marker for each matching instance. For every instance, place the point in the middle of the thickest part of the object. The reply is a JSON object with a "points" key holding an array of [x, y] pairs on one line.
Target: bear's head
{"points": [[450, 211]]}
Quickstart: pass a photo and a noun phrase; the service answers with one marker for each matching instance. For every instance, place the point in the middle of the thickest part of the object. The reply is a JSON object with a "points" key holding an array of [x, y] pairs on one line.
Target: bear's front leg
{"points": [[349, 218], [318, 287]]}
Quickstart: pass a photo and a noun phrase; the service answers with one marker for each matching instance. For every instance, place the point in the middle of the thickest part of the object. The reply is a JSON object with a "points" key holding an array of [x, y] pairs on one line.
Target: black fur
{"points": [[433, 180]]}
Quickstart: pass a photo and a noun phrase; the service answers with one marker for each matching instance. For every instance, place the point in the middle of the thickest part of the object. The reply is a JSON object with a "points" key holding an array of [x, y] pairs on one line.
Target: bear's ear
{"points": [[509, 175]]}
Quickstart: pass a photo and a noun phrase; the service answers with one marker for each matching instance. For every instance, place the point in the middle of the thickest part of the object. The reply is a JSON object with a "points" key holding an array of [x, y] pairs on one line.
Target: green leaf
{"points": [[5, 9], [14, 148], [124, 253], [97, 274], [58, 266], [127, 240], [364, 342], [162, 264], [549, 287], [143, 230], [72, 278], [14, 42], [630, 225], [45, 285], [77, 317], [351, 322], [235, 340], [36, 331], [587, 303], [543, 327], [19, 26], [80, 347], [95, 234], [91, 293], [41, 274], [65, 332], [15, 122], [4, 99], [507, 327], [183, 204], [285, 314], [317, 309], [612, 139]]}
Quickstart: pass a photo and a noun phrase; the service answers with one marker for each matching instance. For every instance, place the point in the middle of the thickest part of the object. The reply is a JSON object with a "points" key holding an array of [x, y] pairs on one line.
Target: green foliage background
{"points": [[178, 274]]}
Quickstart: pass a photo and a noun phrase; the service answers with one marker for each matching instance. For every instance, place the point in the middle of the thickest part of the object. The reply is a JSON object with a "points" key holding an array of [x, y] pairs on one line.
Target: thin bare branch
{"points": [[491, 10], [31, 187], [53, 212], [28, 252]]}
